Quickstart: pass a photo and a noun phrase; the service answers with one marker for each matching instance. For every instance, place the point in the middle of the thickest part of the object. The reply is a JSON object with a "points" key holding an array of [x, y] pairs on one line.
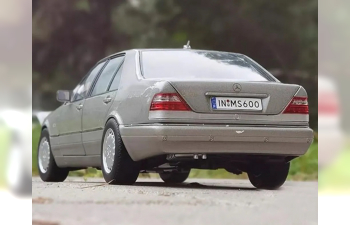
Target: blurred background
{"points": [[69, 37], [334, 108], [15, 111], [334, 104]]}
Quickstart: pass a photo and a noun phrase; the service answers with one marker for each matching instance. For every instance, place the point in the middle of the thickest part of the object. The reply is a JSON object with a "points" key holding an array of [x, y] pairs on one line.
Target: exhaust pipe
{"points": [[183, 157], [197, 156]]}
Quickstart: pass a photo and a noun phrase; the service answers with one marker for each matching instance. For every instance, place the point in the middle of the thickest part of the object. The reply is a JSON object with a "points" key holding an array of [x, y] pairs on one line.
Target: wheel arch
{"points": [[118, 120], [116, 117], [45, 127]]}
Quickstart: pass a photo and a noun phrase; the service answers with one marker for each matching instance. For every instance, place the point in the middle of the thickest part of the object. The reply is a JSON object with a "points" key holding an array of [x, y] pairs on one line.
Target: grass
{"points": [[4, 141], [302, 168], [336, 177], [35, 141]]}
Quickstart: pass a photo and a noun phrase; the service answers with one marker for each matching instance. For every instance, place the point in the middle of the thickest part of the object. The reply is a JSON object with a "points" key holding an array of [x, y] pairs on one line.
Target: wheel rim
{"points": [[44, 155], [108, 150]]}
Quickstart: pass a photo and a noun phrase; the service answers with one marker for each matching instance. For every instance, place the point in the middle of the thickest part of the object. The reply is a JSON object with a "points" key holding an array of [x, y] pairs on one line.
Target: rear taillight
{"points": [[169, 101], [298, 105]]}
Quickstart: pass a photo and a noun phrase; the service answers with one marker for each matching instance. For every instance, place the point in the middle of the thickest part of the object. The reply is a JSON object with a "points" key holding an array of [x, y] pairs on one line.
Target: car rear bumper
{"points": [[144, 141]]}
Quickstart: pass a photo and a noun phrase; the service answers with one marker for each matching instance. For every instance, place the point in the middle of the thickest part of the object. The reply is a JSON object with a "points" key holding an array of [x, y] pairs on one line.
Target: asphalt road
{"points": [[149, 201]]}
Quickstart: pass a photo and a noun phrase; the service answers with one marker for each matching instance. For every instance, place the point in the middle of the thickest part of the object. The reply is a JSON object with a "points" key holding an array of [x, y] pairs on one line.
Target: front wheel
{"points": [[272, 176], [48, 169], [174, 177]]}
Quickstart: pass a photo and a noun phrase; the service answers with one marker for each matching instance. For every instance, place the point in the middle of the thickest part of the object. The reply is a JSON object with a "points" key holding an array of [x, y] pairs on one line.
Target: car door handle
{"points": [[107, 100], [79, 107]]}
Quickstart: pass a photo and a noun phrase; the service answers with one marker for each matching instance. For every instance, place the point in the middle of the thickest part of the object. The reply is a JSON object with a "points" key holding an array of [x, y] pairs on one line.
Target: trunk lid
{"points": [[275, 96]]}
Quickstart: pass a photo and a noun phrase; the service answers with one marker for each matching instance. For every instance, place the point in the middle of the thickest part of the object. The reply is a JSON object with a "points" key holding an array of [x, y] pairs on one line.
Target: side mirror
{"points": [[63, 96]]}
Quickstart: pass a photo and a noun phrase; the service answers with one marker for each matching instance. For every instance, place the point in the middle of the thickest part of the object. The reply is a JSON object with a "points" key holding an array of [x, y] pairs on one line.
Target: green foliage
{"points": [[4, 144], [83, 5], [306, 166], [35, 141], [219, 174], [302, 168], [337, 175]]}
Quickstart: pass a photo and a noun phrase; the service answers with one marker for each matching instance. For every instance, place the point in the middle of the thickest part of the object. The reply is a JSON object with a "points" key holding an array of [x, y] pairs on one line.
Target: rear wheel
{"points": [[48, 169], [272, 176], [116, 164], [174, 177]]}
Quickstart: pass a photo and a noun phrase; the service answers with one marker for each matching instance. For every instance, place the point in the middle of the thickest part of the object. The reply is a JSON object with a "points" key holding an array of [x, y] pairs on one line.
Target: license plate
{"points": [[228, 103]]}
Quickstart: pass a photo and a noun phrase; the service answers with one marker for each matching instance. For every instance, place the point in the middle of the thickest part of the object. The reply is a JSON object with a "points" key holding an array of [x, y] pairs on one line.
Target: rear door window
{"points": [[116, 79], [105, 78]]}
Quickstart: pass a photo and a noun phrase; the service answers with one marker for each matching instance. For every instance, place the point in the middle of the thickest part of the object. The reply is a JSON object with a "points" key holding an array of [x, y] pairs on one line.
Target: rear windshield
{"points": [[190, 64]]}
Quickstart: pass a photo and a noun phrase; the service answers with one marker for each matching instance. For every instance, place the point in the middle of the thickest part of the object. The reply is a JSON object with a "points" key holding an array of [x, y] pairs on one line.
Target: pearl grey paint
{"points": [[76, 128]]}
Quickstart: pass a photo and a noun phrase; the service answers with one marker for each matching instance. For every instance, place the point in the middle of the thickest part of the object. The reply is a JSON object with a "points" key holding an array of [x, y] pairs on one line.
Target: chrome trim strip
{"points": [[90, 130], [217, 125], [138, 66], [78, 132], [192, 117], [219, 94]]}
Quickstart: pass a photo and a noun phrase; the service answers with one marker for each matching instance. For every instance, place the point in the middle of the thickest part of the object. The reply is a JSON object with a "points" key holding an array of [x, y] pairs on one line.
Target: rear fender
{"points": [[301, 92]]}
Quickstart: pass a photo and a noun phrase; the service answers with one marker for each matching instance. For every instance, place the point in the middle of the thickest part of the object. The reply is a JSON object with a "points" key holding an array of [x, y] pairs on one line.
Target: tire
{"points": [[122, 170], [271, 177], [52, 173], [174, 177]]}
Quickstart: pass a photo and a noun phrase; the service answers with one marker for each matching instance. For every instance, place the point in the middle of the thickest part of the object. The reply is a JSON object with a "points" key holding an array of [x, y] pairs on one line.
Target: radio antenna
{"points": [[187, 46]]}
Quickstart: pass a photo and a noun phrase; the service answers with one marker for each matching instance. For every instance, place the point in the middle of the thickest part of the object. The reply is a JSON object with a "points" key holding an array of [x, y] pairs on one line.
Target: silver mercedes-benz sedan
{"points": [[170, 110]]}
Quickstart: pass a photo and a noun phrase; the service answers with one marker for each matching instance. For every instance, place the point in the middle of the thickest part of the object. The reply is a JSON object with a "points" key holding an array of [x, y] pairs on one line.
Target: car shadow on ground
{"points": [[185, 185], [193, 185]]}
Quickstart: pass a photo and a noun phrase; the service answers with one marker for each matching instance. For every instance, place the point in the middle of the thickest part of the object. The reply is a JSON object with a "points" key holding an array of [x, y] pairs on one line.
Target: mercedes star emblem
{"points": [[237, 88]]}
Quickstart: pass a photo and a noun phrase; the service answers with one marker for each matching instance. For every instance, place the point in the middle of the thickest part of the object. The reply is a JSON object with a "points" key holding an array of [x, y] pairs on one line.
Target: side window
{"points": [[106, 76], [116, 79], [83, 87], [78, 90]]}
